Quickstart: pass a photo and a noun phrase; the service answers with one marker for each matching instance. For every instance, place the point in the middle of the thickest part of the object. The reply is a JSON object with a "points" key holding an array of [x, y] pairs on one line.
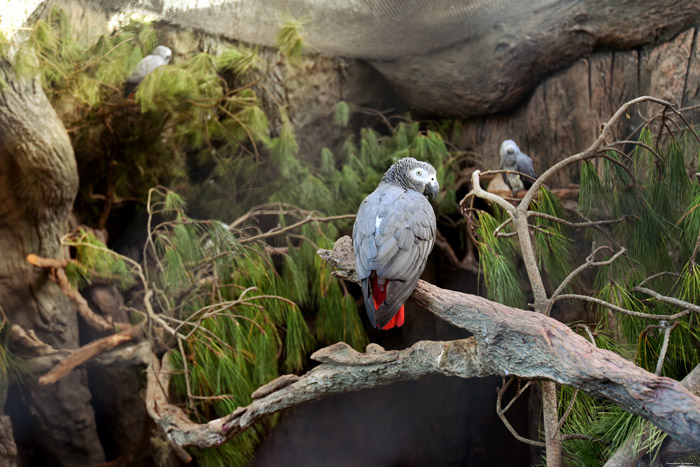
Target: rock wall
{"points": [[564, 113]]}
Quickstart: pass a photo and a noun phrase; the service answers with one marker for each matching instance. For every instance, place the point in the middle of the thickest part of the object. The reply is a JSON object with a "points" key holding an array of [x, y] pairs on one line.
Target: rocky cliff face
{"points": [[564, 113]]}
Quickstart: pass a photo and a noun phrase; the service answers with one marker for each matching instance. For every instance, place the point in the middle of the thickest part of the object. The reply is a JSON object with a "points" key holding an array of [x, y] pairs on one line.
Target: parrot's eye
{"points": [[418, 173]]}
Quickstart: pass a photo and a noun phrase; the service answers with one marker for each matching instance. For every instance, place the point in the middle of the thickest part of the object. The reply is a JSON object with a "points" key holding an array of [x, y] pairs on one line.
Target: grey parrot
{"points": [[393, 235], [160, 56], [513, 159]]}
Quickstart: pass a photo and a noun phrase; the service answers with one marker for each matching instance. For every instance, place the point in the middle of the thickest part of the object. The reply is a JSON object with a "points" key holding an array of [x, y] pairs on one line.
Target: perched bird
{"points": [[513, 159], [161, 55], [393, 235]]}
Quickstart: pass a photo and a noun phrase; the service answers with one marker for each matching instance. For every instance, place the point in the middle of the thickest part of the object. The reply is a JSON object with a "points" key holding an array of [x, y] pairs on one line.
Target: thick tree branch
{"points": [[534, 346], [342, 370], [506, 342], [631, 451]]}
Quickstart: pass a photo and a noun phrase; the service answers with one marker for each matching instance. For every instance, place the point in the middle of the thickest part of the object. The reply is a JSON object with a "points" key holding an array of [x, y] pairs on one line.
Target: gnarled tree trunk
{"points": [[38, 183]]}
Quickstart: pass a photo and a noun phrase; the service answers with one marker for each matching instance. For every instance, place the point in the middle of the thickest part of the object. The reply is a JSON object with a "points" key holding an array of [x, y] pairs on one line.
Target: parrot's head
{"points": [[164, 52], [412, 174], [508, 151]]}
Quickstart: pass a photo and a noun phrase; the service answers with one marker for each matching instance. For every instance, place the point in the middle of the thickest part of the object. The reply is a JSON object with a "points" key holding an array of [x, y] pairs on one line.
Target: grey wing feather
{"points": [[397, 250], [505, 177], [524, 164], [365, 248]]}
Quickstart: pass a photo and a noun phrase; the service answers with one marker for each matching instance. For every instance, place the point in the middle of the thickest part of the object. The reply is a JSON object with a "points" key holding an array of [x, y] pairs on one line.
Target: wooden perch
{"points": [[506, 341]]}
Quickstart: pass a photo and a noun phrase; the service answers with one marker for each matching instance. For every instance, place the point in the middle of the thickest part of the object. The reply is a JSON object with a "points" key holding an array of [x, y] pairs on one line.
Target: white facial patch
{"points": [[423, 175]]}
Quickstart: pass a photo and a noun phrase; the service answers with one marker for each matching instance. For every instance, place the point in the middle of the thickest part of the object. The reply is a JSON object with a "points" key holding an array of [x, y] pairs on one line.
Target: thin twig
{"points": [[590, 263], [588, 331], [664, 347], [625, 311], [502, 416], [567, 411], [309, 218]]}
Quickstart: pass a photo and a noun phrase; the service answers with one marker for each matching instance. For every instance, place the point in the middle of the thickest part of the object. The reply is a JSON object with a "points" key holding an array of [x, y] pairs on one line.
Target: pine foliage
{"points": [[650, 195], [246, 305]]}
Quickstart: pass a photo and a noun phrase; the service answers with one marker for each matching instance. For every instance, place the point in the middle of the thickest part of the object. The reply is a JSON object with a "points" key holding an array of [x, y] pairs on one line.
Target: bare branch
{"points": [[49, 358], [588, 331], [670, 300], [664, 347], [309, 218], [590, 263], [625, 311], [86, 352], [563, 418], [57, 267], [579, 225], [501, 412], [481, 193], [638, 143]]}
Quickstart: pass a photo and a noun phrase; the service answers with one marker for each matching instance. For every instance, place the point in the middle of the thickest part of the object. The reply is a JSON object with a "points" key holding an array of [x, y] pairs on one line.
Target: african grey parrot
{"points": [[161, 55], [513, 159], [393, 235]]}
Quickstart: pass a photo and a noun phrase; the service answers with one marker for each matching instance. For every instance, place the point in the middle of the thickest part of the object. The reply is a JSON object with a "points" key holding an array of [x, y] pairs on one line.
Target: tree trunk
{"points": [[38, 183]]}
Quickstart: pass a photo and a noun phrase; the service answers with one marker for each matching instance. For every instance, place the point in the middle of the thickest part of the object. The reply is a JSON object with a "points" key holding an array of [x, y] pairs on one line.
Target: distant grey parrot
{"points": [[513, 159], [161, 55], [393, 235]]}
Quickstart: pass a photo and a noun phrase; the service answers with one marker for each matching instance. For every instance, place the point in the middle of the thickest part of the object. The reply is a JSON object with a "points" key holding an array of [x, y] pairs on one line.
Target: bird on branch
{"points": [[393, 235], [160, 56], [514, 160]]}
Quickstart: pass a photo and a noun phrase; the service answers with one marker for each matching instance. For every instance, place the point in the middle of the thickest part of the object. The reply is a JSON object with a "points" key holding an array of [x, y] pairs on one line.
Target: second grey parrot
{"points": [[393, 235], [513, 159], [160, 56]]}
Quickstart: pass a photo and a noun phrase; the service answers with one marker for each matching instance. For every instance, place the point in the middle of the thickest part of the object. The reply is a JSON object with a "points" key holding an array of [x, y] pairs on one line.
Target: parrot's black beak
{"points": [[431, 189]]}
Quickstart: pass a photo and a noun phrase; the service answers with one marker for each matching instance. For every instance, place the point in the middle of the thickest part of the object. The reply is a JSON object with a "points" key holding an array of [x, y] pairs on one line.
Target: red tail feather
{"points": [[379, 295]]}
